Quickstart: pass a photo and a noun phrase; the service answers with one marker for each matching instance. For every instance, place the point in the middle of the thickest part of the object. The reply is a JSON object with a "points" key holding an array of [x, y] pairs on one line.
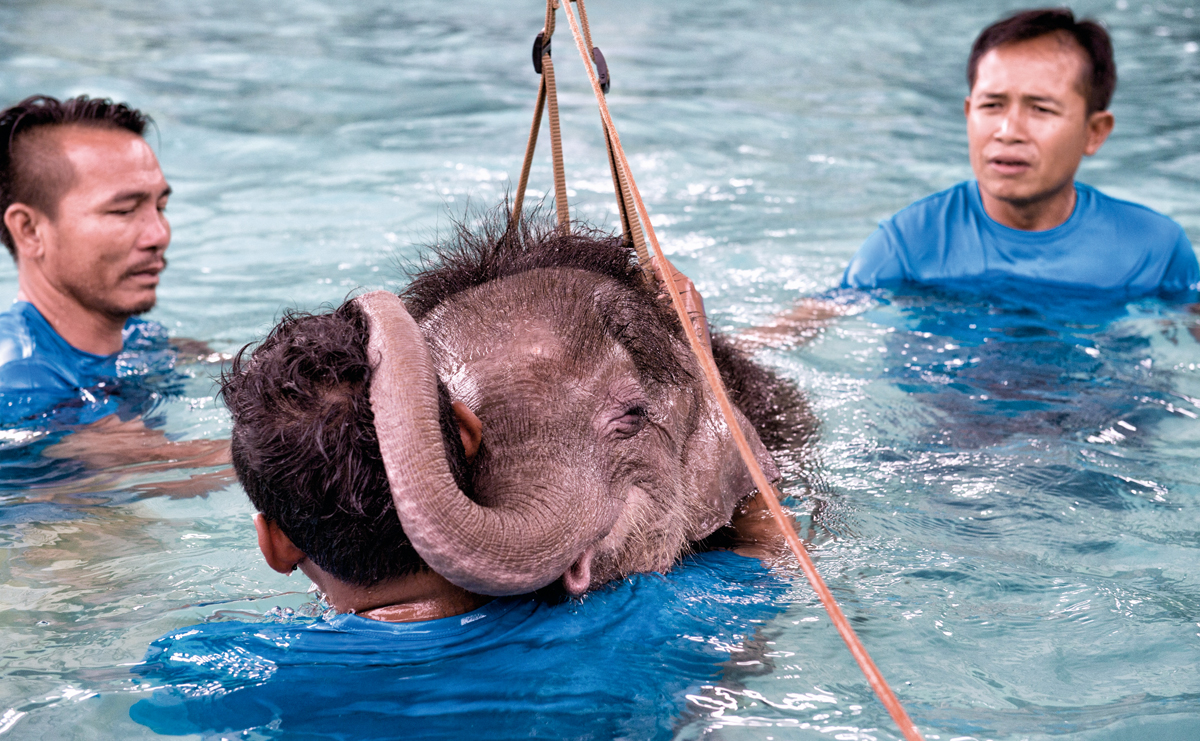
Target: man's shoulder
{"points": [[29, 350], [143, 334], [927, 211], [1128, 215], [930, 224], [16, 340]]}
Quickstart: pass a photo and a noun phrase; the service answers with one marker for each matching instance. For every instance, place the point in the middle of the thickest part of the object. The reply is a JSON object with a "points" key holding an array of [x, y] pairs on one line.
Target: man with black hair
{"points": [[82, 202], [403, 650], [1040, 84], [307, 454]]}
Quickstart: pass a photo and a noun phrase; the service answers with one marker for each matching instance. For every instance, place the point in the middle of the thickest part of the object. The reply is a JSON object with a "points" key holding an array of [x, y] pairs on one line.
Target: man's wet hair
{"points": [[32, 175], [1099, 77], [305, 449]]}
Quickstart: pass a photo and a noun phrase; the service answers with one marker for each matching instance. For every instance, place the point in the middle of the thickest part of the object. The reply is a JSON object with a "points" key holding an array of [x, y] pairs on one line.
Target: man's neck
{"points": [[417, 597], [82, 328], [1032, 216]]}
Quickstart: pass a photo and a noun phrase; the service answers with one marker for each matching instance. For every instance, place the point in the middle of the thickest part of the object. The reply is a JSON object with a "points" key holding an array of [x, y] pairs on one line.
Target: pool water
{"points": [[1004, 497]]}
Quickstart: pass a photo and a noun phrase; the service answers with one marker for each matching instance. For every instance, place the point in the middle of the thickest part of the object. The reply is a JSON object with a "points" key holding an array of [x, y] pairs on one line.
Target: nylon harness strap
{"points": [[770, 495], [547, 92]]}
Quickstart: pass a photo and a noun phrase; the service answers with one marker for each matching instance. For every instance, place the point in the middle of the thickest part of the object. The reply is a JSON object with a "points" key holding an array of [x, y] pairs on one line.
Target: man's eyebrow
{"points": [[139, 195], [1041, 99]]}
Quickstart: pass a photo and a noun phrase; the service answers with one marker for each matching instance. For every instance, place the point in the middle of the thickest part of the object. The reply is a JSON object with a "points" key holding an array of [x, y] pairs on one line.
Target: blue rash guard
{"points": [[1106, 244], [618, 664], [40, 371]]}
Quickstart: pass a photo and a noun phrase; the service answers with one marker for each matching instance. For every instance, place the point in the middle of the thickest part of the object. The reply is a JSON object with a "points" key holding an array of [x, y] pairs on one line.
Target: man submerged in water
{"points": [[1040, 85], [82, 213]]}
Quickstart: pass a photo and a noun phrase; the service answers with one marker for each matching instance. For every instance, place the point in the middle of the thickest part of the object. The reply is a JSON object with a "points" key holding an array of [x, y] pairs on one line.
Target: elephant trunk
{"points": [[513, 547]]}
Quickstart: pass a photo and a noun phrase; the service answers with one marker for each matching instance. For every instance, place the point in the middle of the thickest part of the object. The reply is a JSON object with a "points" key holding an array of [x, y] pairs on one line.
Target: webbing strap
{"points": [[560, 174], [519, 198], [547, 92], [631, 226], [769, 494]]}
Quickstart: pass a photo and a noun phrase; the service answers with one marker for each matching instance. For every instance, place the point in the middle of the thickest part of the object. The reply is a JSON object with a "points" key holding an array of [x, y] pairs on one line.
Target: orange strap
{"points": [[874, 677]]}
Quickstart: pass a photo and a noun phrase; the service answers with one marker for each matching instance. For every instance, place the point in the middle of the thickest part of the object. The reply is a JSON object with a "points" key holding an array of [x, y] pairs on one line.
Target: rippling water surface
{"points": [[1006, 498]]}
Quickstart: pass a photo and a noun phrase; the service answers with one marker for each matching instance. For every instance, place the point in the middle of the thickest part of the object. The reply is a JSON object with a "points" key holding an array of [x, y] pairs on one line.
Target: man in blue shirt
{"points": [[1040, 85], [82, 199], [407, 648]]}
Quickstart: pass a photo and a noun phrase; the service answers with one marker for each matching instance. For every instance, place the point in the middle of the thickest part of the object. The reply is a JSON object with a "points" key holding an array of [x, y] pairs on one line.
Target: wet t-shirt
{"points": [[41, 372], [618, 664], [1106, 244]]}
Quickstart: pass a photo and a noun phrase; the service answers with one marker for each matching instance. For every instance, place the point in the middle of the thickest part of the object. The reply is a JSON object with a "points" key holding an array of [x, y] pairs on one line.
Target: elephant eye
{"points": [[631, 422]]}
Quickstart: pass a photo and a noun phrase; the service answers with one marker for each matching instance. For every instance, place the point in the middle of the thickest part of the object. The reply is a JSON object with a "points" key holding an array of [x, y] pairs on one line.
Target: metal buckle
{"points": [[540, 48], [601, 69]]}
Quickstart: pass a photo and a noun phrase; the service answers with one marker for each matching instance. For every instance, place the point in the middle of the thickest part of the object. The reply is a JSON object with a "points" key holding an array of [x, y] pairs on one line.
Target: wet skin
{"points": [[1028, 128]]}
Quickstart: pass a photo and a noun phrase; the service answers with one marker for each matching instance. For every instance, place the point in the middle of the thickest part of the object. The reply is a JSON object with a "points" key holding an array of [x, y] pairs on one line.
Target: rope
{"points": [[587, 31], [523, 183], [872, 673], [548, 91]]}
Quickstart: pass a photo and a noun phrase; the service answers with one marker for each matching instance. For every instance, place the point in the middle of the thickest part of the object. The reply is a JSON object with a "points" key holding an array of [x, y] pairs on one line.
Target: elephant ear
{"points": [[718, 476]]}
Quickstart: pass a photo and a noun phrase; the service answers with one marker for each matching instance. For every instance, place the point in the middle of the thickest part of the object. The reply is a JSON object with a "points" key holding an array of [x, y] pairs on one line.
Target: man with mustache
{"points": [[83, 199], [1040, 85]]}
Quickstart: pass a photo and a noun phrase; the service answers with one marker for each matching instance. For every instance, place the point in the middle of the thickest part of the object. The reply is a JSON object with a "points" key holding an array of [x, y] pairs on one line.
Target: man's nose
{"points": [[1012, 126], [156, 231]]}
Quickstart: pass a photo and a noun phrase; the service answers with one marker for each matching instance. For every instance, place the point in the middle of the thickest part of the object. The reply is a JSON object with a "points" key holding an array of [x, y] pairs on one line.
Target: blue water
{"points": [[1020, 566]]}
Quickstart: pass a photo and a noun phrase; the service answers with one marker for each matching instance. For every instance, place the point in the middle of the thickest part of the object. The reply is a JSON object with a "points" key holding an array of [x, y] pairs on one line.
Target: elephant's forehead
{"points": [[517, 341], [529, 358]]}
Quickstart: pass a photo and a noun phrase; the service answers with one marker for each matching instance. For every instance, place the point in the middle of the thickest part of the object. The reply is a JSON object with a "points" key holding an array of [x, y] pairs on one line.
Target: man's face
{"points": [[1027, 120], [105, 246]]}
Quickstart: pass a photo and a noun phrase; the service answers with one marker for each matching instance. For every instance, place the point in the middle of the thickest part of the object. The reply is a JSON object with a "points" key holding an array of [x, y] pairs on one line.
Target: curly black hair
{"points": [[305, 450]]}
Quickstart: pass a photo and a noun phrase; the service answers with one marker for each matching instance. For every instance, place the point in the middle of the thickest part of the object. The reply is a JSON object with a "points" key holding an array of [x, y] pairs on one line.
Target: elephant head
{"points": [[603, 452]]}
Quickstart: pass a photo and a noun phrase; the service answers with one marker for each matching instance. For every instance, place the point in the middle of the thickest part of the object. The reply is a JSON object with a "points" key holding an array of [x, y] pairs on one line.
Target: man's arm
{"points": [[196, 351], [796, 326], [110, 443]]}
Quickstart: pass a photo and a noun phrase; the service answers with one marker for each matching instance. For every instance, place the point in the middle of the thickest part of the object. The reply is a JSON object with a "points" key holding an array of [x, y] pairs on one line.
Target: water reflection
{"points": [[1011, 361]]}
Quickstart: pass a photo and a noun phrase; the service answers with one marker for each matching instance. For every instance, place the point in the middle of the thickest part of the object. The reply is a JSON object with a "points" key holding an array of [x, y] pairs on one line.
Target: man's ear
{"points": [[23, 221], [469, 428], [1099, 126], [278, 550], [967, 106]]}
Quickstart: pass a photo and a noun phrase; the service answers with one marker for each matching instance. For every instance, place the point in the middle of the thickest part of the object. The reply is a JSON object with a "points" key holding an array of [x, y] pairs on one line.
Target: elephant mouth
{"points": [[578, 578]]}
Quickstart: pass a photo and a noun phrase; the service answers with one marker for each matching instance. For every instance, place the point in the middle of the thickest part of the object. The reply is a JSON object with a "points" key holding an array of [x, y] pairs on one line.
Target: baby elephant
{"points": [[530, 410], [601, 450]]}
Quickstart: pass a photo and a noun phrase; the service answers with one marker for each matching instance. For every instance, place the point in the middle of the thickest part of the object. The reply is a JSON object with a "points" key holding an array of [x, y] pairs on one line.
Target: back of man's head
{"points": [[32, 171], [1099, 75], [305, 449]]}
